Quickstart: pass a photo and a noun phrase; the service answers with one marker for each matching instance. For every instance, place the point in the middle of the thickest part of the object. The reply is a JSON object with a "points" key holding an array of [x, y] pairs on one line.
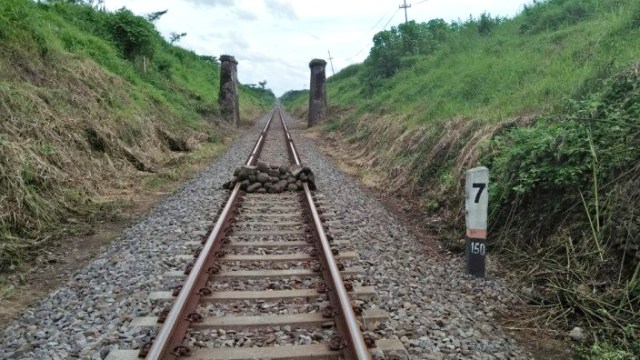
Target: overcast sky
{"points": [[274, 40]]}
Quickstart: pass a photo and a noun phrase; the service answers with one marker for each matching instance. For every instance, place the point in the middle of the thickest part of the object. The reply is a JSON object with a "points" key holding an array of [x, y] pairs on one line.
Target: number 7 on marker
{"points": [[480, 187]]}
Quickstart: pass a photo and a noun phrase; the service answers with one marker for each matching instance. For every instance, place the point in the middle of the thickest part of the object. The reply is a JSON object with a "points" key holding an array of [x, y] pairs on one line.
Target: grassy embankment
{"points": [[549, 101], [94, 108]]}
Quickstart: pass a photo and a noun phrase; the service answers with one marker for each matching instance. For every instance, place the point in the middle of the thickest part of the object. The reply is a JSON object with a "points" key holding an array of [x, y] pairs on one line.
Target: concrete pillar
{"points": [[228, 98], [317, 92]]}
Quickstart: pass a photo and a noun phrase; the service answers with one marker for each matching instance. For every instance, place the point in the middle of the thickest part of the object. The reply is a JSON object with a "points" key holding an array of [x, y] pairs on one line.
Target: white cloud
{"points": [[278, 51], [235, 43], [246, 15], [282, 9], [212, 2]]}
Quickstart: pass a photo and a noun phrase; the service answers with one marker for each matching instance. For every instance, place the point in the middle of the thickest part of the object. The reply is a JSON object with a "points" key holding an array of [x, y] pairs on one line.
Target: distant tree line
{"points": [[261, 91], [292, 95]]}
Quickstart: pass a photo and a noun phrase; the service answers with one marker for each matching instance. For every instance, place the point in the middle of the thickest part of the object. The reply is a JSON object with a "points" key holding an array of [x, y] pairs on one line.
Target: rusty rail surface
{"points": [[168, 342]]}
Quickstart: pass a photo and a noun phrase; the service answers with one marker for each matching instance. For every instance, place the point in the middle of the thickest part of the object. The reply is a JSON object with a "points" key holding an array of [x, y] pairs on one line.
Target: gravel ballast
{"points": [[436, 310]]}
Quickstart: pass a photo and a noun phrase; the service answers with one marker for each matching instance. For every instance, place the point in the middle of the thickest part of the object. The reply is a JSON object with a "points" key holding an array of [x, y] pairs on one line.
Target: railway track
{"points": [[274, 279]]}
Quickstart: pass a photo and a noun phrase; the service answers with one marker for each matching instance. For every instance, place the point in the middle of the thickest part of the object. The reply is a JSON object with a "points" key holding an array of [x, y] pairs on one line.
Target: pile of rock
{"points": [[273, 179]]}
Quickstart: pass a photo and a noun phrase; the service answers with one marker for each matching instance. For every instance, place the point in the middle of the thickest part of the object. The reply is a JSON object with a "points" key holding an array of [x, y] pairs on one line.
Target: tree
{"points": [[154, 16], [209, 59], [175, 37], [262, 84], [486, 24], [133, 35]]}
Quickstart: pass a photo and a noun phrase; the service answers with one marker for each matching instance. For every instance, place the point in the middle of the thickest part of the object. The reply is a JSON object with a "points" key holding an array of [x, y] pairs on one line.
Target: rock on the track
{"points": [[272, 179]]}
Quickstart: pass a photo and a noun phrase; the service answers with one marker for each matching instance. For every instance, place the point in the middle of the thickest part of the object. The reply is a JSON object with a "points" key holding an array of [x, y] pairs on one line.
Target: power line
{"points": [[391, 18], [366, 36], [385, 25], [367, 46], [377, 22], [356, 54]]}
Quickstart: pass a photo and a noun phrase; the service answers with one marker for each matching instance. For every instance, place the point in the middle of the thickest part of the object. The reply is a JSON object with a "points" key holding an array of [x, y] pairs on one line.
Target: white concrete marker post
{"points": [[476, 206]]}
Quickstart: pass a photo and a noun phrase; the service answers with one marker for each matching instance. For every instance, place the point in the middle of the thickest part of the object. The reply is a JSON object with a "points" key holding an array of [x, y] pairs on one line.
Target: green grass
{"points": [[83, 106], [606, 351], [508, 73], [183, 82]]}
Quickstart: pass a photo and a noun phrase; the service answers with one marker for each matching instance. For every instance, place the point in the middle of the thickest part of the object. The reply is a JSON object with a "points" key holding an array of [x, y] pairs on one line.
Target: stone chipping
{"points": [[436, 310]]}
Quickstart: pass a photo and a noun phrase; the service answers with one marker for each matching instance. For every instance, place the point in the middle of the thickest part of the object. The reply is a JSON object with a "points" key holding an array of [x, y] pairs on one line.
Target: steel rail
{"points": [[174, 329], [256, 150], [357, 348]]}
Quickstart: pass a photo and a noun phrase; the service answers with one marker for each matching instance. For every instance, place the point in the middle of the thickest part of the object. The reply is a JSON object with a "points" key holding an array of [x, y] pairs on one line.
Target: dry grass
{"points": [[73, 142], [426, 160]]}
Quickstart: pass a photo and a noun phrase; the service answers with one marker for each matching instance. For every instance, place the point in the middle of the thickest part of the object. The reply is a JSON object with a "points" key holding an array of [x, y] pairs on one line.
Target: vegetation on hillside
{"points": [[92, 105], [565, 189], [548, 101]]}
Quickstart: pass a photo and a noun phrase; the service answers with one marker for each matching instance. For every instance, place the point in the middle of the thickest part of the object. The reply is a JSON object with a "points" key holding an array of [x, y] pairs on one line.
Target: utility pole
{"points": [[405, 7], [331, 62]]}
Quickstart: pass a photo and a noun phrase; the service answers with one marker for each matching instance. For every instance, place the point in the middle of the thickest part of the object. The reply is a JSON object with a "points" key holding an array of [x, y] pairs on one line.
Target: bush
{"points": [[133, 35], [164, 64], [486, 24], [568, 188], [556, 154]]}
